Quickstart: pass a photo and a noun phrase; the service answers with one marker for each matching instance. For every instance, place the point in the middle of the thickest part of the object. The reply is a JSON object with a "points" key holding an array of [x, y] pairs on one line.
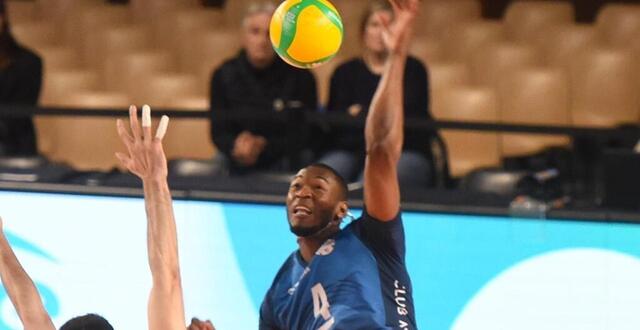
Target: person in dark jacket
{"points": [[256, 80], [20, 81], [353, 84]]}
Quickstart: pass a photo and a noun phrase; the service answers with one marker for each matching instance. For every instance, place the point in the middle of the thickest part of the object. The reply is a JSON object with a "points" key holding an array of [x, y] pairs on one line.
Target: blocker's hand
{"points": [[145, 157], [397, 34]]}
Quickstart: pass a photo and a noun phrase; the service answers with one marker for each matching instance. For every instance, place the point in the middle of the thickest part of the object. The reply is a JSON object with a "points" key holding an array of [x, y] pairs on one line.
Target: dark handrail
{"points": [[332, 119]]}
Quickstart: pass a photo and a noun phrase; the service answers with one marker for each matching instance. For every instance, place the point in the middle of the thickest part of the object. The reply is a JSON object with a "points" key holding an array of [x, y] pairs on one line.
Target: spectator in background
{"points": [[352, 87], [20, 81], [256, 80]]}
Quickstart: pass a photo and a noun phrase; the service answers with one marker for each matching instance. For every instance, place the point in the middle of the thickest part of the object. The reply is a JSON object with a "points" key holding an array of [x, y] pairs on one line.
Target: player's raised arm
{"points": [[22, 292], [146, 159], [384, 126]]}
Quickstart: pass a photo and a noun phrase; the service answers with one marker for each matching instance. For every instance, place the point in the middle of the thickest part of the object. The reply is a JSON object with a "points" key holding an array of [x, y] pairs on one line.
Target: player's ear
{"points": [[343, 209]]}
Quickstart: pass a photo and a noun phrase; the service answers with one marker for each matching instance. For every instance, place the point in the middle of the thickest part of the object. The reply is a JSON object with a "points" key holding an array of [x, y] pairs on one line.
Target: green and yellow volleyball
{"points": [[306, 33]]}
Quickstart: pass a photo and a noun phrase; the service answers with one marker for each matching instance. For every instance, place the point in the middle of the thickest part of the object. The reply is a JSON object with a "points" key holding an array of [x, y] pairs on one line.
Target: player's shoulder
{"points": [[287, 265], [366, 216]]}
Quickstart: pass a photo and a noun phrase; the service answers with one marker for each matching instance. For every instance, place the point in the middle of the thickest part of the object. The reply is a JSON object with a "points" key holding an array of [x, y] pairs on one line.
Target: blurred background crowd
{"points": [[568, 67]]}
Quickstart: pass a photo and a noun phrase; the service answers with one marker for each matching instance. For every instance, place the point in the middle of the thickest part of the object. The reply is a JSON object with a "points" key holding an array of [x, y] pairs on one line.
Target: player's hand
{"points": [[200, 325], [397, 34], [145, 156]]}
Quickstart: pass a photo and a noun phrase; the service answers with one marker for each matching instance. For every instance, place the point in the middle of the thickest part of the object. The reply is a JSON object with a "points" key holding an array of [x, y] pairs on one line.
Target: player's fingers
{"points": [[122, 132], [146, 123], [133, 122], [124, 159], [395, 4], [384, 21], [162, 128]]}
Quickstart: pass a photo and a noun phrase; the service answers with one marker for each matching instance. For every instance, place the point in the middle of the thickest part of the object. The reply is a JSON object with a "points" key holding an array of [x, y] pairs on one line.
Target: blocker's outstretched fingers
{"points": [[162, 128], [395, 4], [133, 122], [146, 123], [126, 138], [124, 159]]}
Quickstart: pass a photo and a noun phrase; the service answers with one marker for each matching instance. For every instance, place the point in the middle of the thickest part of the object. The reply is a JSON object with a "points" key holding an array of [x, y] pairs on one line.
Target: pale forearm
{"points": [[21, 290], [161, 232]]}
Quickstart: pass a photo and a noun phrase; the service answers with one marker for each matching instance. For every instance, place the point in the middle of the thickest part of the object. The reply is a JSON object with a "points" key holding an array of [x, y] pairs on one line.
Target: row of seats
{"points": [[535, 67]]}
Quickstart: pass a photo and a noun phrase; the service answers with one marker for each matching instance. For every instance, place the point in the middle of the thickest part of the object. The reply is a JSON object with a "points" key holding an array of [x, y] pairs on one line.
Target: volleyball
{"points": [[306, 33]]}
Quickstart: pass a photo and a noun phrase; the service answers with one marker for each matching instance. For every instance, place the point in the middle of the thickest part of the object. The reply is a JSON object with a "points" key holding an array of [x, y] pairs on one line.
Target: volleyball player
{"points": [[354, 278], [145, 158]]}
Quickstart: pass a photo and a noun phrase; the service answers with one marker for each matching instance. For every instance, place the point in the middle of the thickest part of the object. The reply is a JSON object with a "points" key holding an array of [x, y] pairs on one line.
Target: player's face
{"points": [[313, 201], [372, 36], [256, 39]]}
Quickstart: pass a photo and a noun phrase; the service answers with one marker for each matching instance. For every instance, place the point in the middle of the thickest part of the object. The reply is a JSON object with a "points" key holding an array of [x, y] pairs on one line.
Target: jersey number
{"points": [[321, 306]]}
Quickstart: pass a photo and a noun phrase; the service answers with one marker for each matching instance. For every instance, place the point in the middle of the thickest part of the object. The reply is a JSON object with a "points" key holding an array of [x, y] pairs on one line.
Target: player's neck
{"points": [[309, 245]]}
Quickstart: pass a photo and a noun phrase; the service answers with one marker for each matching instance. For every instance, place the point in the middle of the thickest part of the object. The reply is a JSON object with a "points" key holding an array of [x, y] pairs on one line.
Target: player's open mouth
{"points": [[301, 210]]}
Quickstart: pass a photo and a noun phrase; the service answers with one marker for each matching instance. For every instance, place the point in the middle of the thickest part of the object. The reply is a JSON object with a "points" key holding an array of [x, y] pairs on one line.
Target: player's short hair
{"points": [[344, 189], [372, 7], [87, 322], [258, 7]]}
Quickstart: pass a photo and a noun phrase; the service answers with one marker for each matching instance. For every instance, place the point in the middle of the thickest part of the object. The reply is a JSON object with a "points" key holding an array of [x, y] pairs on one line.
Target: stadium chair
{"points": [[21, 11], [143, 9], [427, 50], [469, 150], [438, 16], [565, 42], [186, 25], [234, 10], [57, 85], [533, 96], [495, 60], [618, 24], [189, 138], [60, 9], [58, 58], [114, 43], [495, 181], [36, 35], [323, 75], [463, 40], [530, 21], [604, 88], [125, 73], [351, 12], [445, 76], [163, 89], [213, 49], [85, 31], [85, 143], [190, 103]]}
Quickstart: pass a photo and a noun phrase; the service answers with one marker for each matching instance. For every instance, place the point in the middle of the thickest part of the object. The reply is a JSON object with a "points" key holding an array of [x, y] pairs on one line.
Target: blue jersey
{"points": [[356, 280]]}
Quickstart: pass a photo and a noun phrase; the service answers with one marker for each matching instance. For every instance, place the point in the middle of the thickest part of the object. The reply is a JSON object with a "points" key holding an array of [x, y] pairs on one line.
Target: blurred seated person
{"points": [[20, 81], [256, 80], [353, 84], [213, 3]]}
